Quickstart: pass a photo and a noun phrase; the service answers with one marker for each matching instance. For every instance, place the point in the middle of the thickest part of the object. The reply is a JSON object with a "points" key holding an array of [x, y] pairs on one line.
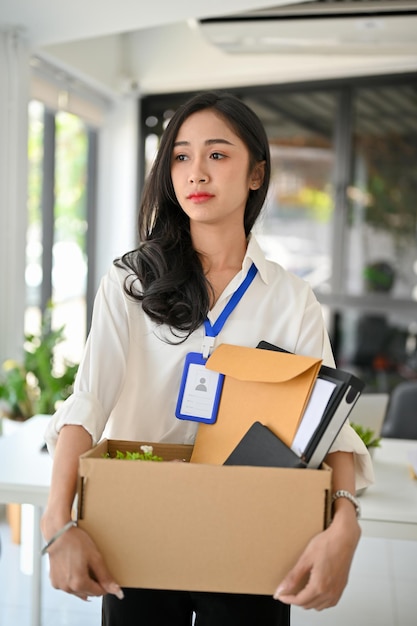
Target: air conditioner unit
{"points": [[319, 27]]}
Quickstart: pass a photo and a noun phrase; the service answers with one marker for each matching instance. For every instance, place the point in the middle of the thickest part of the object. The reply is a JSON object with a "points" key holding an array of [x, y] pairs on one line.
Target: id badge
{"points": [[200, 390]]}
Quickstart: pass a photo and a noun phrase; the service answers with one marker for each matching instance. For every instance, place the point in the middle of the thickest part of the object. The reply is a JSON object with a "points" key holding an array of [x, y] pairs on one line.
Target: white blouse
{"points": [[129, 377]]}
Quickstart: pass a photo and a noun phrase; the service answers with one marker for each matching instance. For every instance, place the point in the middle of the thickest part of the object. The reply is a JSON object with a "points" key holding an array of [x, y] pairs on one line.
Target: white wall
{"points": [[117, 184], [14, 80], [98, 61]]}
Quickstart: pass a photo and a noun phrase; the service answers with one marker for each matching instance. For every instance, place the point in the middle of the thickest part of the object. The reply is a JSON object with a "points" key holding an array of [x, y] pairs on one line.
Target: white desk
{"points": [[25, 475], [389, 506]]}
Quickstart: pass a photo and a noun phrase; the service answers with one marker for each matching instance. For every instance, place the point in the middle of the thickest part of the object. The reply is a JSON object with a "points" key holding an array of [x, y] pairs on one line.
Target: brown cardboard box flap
{"points": [[260, 385]]}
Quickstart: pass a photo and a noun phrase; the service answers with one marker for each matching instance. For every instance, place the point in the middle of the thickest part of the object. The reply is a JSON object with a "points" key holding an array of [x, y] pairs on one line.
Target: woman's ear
{"points": [[257, 176]]}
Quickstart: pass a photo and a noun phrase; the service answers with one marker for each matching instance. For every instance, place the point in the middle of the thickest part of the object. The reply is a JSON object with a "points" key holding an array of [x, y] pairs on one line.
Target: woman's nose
{"points": [[197, 174], [198, 178]]}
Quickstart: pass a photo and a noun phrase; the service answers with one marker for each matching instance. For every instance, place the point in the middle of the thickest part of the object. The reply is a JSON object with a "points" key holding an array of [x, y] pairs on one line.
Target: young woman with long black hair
{"points": [[201, 201]]}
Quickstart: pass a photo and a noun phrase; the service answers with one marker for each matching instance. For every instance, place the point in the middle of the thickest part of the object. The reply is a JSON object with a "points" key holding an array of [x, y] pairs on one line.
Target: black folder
{"points": [[343, 398], [261, 447]]}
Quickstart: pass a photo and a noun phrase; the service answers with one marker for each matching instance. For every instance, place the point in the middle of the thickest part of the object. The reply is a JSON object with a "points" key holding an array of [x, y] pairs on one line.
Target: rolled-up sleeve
{"points": [[102, 369], [80, 409]]}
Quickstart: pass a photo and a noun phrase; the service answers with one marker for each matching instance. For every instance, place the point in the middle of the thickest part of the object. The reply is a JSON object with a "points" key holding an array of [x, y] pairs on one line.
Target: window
{"points": [[380, 255], [382, 216], [297, 223], [60, 149]]}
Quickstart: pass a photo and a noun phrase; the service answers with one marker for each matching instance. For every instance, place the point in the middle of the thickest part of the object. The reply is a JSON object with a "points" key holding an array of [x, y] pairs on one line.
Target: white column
{"points": [[14, 90], [117, 188]]}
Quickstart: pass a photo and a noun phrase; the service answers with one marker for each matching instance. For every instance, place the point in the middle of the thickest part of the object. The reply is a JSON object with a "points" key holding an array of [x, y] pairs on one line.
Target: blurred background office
{"points": [[87, 89]]}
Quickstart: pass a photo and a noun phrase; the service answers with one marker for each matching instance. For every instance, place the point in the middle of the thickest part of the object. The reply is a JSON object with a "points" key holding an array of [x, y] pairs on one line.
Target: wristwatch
{"points": [[342, 493]]}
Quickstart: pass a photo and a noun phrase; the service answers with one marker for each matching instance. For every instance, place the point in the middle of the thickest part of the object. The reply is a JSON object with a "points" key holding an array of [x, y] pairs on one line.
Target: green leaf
{"points": [[137, 456], [367, 435], [33, 386]]}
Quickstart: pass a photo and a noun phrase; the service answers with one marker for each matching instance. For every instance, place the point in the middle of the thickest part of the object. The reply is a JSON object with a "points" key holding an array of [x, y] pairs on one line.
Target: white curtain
{"points": [[14, 86]]}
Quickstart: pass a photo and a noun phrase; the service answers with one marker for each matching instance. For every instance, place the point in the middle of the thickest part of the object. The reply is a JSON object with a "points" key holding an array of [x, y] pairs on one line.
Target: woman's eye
{"points": [[180, 157], [217, 156]]}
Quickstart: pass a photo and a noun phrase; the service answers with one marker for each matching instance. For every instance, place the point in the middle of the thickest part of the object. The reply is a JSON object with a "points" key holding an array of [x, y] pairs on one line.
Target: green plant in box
{"points": [[146, 455]]}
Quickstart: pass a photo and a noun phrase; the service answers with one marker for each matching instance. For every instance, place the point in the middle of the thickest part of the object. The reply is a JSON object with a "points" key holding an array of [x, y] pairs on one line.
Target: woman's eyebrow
{"points": [[208, 142]]}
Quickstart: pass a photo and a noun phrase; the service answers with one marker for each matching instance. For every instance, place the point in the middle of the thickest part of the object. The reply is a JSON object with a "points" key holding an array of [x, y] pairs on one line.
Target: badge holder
{"points": [[200, 391]]}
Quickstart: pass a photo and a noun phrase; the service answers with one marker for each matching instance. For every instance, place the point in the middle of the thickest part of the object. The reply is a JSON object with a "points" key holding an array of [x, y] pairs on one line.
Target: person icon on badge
{"points": [[201, 386]]}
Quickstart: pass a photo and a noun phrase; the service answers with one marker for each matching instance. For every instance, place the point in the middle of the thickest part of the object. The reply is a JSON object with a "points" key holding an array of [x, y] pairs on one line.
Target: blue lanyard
{"points": [[213, 330]]}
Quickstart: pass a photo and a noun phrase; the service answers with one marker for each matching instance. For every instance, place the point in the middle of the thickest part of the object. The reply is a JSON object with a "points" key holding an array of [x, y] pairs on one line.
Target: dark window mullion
{"points": [[91, 220], [342, 178], [48, 203]]}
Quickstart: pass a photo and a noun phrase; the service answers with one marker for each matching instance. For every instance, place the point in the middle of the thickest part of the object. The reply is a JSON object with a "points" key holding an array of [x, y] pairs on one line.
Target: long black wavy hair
{"points": [[167, 273]]}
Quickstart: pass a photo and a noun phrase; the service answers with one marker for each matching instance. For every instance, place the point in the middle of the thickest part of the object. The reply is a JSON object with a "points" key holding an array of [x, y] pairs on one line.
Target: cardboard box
{"points": [[191, 526]]}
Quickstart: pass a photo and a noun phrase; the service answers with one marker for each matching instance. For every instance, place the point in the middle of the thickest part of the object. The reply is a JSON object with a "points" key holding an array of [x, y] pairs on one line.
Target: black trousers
{"points": [[141, 607]]}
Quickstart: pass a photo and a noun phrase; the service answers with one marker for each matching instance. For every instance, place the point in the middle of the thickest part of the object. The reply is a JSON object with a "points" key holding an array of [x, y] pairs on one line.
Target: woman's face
{"points": [[210, 171]]}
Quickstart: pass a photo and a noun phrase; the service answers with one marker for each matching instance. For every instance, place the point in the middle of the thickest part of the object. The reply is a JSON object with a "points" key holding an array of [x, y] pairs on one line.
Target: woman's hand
{"points": [[77, 567], [321, 573]]}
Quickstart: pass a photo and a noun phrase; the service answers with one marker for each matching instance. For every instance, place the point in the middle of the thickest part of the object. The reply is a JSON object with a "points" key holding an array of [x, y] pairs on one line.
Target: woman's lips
{"points": [[199, 197]]}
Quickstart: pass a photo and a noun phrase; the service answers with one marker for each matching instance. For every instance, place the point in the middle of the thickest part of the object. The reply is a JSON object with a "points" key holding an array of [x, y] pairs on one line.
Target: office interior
{"points": [[85, 97]]}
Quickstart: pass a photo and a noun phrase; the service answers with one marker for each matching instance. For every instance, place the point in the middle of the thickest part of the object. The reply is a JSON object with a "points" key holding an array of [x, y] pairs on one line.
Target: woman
{"points": [[201, 201]]}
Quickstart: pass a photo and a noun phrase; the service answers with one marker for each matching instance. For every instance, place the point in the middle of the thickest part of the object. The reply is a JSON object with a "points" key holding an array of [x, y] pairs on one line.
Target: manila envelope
{"points": [[259, 385]]}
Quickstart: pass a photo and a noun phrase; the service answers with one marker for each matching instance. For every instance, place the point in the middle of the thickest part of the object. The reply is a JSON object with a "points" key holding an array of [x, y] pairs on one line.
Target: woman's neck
{"points": [[221, 255], [219, 250]]}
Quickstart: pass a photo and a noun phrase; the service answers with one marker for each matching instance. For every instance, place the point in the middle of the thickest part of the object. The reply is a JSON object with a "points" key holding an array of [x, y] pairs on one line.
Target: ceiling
{"points": [[128, 47], [48, 22]]}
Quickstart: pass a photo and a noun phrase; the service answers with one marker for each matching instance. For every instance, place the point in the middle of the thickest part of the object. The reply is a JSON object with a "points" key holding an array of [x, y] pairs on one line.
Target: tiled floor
{"points": [[382, 591]]}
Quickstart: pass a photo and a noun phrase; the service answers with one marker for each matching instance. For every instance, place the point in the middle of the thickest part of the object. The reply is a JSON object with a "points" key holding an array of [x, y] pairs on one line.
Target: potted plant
{"points": [[34, 385], [368, 437]]}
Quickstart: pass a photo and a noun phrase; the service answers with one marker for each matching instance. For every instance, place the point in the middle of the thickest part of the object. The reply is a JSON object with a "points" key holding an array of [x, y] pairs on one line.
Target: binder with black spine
{"points": [[347, 389]]}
